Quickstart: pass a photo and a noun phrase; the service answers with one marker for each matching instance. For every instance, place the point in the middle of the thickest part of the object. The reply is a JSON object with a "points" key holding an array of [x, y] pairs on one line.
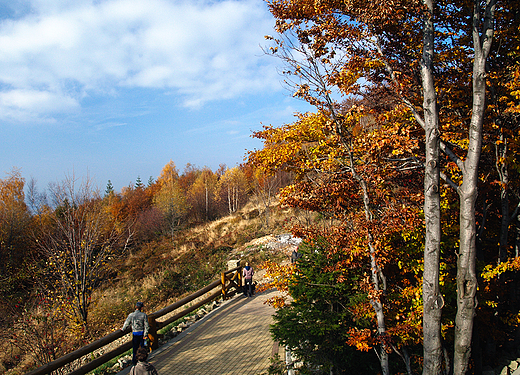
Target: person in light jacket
{"points": [[142, 367], [247, 274], [139, 322]]}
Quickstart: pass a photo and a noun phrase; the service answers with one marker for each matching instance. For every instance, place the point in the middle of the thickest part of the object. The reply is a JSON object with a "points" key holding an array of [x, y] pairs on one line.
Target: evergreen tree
{"points": [[110, 189], [315, 325]]}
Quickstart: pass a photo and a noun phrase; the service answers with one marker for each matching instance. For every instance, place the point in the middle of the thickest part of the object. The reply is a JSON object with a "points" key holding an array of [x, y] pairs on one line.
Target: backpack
{"points": [[248, 273]]}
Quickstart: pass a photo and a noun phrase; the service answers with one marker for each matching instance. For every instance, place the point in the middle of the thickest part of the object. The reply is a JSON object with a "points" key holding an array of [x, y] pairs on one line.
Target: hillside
{"points": [[160, 272]]}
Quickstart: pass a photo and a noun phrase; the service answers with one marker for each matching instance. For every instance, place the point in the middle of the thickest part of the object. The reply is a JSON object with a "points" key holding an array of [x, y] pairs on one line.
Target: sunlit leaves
{"points": [[277, 276], [491, 272], [171, 199], [326, 183], [232, 188], [77, 240], [360, 338], [295, 147], [15, 240]]}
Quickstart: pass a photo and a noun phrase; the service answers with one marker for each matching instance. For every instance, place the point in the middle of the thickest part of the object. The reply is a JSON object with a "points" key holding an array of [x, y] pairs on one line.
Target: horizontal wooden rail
{"points": [[184, 301], [94, 364], [188, 310], [232, 270], [68, 358], [154, 325]]}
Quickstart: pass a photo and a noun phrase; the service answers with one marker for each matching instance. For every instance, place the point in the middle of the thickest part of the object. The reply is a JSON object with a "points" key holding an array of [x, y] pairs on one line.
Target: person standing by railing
{"points": [[139, 322], [247, 274]]}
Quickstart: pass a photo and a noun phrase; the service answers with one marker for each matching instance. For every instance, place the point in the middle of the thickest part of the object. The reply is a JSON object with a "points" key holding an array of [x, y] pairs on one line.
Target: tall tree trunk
{"points": [[235, 198], [207, 199], [501, 166], [378, 278], [229, 198], [377, 305], [432, 298], [466, 273], [517, 239]]}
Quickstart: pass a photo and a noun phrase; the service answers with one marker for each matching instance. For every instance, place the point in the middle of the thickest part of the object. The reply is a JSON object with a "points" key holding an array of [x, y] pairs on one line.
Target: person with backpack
{"points": [[142, 367], [247, 274], [139, 322]]}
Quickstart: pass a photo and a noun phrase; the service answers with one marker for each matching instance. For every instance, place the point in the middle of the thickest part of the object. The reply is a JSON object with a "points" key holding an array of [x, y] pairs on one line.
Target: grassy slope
{"points": [[160, 272], [164, 270]]}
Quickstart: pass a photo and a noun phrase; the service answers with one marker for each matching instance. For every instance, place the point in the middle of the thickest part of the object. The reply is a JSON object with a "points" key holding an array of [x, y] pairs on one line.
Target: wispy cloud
{"points": [[108, 125], [55, 53]]}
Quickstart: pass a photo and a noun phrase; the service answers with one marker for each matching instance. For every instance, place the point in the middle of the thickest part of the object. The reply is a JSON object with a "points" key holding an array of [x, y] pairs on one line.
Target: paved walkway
{"points": [[233, 339]]}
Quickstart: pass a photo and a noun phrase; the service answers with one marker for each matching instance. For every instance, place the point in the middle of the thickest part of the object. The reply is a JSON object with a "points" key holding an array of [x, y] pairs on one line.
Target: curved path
{"points": [[233, 339]]}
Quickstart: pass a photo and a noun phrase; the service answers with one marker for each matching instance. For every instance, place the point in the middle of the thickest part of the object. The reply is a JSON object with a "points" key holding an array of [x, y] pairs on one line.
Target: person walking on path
{"points": [[142, 367], [139, 322], [248, 273]]}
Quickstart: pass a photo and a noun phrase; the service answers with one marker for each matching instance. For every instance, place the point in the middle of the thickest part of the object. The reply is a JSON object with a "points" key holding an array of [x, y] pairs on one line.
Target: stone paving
{"points": [[233, 339]]}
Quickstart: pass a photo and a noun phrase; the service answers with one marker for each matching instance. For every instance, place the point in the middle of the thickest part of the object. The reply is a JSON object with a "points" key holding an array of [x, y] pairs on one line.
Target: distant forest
{"points": [[72, 228], [59, 245]]}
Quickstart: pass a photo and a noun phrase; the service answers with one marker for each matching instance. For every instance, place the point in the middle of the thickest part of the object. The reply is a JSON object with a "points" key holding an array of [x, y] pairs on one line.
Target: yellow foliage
{"points": [[492, 271], [277, 276], [360, 338]]}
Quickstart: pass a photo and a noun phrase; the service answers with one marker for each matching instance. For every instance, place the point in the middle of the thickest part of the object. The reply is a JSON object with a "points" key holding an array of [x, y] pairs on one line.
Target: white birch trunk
{"points": [[229, 200], [432, 298], [466, 272], [501, 166]]}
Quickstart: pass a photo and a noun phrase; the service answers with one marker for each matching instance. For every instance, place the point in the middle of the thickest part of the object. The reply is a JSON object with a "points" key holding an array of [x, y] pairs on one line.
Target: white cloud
{"points": [[30, 104], [203, 50], [108, 125]]}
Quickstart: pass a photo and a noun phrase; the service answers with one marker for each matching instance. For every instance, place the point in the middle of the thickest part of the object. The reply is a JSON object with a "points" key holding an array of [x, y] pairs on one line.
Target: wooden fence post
{"points": [[152, 332], [223, 282], [239, 271]]}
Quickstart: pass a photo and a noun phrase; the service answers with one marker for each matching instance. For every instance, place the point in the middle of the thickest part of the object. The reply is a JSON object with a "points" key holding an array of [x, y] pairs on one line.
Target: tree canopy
{"points": [[429, 87]]}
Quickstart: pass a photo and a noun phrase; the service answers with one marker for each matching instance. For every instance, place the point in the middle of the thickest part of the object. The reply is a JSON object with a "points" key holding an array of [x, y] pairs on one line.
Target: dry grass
{"points": [[160, 272]]}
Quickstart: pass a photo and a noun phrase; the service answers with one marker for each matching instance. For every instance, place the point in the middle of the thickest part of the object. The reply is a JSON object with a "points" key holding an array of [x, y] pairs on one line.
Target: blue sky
{"points": [[115, 89]]}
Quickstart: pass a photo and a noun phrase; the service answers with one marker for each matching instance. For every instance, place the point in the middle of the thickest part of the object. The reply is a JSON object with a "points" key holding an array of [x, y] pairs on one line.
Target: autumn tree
{"points": [[202, 195], [232, 188], [136, 213], [231, 182], [77, 238], [503, 115], [15, 244], [39, 330], [346, 185], [499, 190], [14, 220], [408, 51], [170, 198], [188, 177]]}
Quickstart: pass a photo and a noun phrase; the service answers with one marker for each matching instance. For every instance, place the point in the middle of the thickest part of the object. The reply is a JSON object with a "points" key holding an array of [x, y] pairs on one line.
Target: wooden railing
{"points": [[229, 280]]}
